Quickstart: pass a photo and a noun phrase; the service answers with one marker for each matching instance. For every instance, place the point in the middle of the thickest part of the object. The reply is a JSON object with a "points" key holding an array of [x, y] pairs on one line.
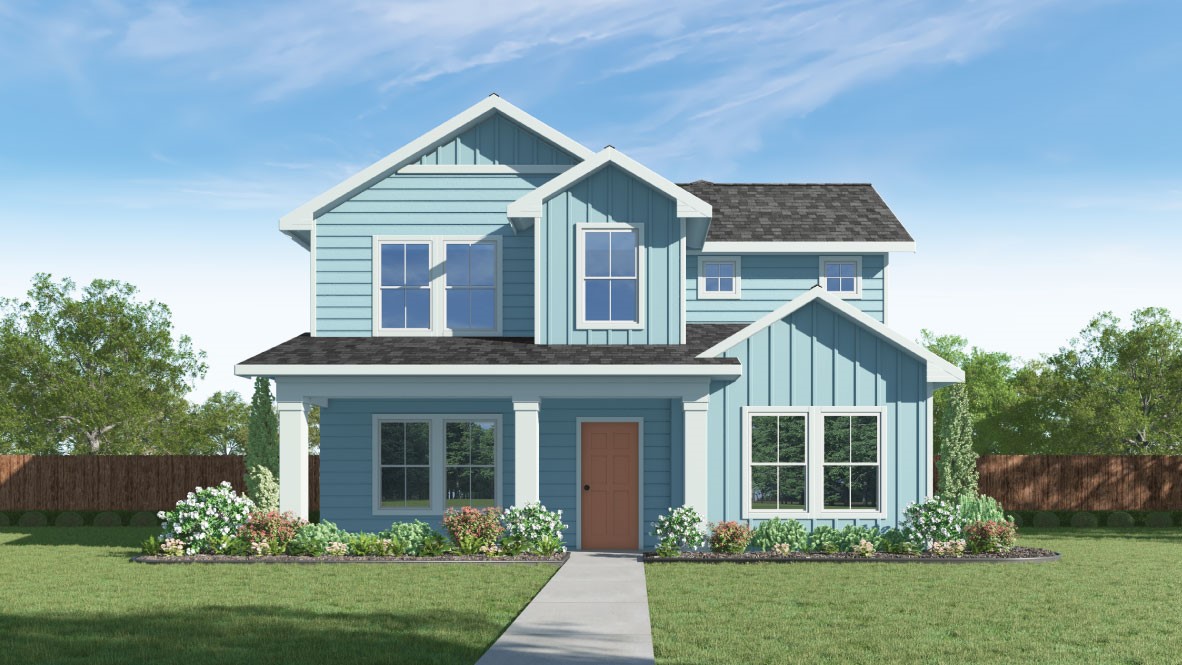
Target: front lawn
{"points": [[70, 595], [1113, 598]]}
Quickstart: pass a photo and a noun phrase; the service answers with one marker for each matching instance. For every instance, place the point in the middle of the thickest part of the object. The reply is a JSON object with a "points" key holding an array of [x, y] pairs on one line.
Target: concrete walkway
{"points": [[594, 610]]}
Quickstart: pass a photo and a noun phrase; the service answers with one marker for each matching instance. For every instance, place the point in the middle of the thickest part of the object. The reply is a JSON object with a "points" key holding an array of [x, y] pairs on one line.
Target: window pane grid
{"points": [[841, 276], [471, 463], [405, 464], [405, 285], [850, 484], [719, 276], [611, 280], [779, 484]]}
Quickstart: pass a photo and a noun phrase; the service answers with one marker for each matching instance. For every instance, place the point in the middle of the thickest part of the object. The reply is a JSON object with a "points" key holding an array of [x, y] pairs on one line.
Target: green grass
{"points": [[70, 595], [1113, 598]]}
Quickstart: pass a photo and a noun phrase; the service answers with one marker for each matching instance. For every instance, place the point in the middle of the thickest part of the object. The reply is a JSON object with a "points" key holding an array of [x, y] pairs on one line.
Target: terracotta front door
{"points": [[609, 485]]}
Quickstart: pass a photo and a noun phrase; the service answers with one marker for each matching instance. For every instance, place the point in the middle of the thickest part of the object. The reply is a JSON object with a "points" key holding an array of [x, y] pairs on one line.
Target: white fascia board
{"points": [[938, 370], [489, 370], [723, 247], [484, 169], [301, 218], [530, 205]]}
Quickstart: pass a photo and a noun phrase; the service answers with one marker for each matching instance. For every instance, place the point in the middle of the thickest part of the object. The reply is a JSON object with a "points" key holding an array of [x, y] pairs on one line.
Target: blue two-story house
{"points": [[500, 315]]}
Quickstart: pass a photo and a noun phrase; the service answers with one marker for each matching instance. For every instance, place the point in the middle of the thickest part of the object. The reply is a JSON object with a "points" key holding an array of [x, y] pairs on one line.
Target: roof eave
{"points": [[702, 370], [807, 247]]}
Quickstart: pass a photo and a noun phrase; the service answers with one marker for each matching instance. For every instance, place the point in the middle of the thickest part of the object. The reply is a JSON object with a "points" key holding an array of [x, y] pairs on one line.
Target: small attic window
{"points": [[842, 276], [719, 277]]}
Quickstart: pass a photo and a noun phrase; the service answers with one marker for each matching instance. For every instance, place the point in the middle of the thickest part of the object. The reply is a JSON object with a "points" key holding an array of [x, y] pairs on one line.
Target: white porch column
{"points": [[293, 458], [525, 451], [696, 482]]}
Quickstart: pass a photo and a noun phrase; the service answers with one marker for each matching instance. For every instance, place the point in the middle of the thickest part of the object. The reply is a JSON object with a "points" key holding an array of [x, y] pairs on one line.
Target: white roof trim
{"points": [[488, 370], [301, 218], [530, 205], [938, 370], [815, 247]]}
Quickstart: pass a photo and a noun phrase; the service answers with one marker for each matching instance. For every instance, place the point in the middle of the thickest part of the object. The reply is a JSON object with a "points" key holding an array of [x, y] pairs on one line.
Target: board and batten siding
{"points": [[610, 195], [819, 357], [347, 458], [770, 280], [499, 140], [419, 205], [558, 483]]}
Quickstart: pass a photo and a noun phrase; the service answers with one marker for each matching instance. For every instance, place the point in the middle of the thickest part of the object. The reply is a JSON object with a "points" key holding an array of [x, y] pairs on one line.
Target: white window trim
{"points": [[581, 322], [437, 255], [857, 261], [436, 458], [703, 294], [814, 458]]}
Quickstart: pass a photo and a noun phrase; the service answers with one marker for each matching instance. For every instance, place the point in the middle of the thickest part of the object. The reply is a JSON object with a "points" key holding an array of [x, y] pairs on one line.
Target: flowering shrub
{"points": [[490, 550], [471, 528], [336, 548], [934, 520], [677, 531], [531, 528], [275, 529], [409, 535], [260, 547], [863, 548], [782, 549], [313, 539], [173, 547], [205, 520], [990, 536], [948, 548], [776, 531], [729, 537]]}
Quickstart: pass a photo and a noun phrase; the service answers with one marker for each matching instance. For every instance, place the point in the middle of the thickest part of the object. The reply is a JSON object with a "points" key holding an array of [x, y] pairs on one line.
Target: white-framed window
{"points": [[610, 269], [719, 277], [814, 462], [436, 286], [424, 464], [842, 275]]}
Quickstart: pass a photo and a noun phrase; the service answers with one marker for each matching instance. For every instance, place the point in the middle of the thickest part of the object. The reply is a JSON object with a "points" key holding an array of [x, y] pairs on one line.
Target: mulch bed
{"points": [[447, 558], [1016, 555]]}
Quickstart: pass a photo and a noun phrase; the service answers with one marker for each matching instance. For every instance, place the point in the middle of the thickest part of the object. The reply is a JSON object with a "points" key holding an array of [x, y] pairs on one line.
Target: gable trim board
{"points": [[300, 219], [939, 371], [529, 207]]}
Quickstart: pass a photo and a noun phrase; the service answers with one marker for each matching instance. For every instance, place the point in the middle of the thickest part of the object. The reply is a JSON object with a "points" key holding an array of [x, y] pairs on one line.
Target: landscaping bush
{"points": [[410, 535], [948, 548], [264, 489], [434, 545], [1159, 520], [678, 531], [313, 539], [824, 539], [1121, 520], [935, 520], [68, 518], [109, 518], [4, 521], [206, 518], [1045, 520], [472, 528], [533, 529], [863, 548], [33, 518], [274, 528], [851, 536], [143, 519], [776, 531], [729, 537], [371, 544], [898, 541], [980, 508], [991, 536], [1084, 520], [1016, 519]]}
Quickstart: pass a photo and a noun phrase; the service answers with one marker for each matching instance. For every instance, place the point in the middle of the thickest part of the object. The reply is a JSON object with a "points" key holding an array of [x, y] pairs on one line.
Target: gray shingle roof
{"points": [[308, 350], [754, 212]]}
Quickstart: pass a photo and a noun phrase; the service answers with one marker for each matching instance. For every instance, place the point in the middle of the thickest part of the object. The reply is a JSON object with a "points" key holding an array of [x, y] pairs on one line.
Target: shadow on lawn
{"points": [[246, 634], [87, 536]]}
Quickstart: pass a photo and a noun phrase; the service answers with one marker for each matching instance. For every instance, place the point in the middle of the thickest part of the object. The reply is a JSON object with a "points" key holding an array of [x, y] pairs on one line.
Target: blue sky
{"points": [[1032, 147]]}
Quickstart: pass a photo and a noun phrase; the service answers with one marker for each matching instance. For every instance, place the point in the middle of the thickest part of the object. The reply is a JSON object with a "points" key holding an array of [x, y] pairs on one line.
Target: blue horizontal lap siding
{"points": [[557, 466], [346, 456], [419, 205], [610, 195], [770, 280], [498, 140], [819, 357]]}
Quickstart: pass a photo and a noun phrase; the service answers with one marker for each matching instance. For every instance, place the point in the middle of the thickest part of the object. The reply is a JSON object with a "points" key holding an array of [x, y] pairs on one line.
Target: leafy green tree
{"points": [[958, 461], [314, 430], [262, 447], [217, 426], [989, 390], [95, 373]]}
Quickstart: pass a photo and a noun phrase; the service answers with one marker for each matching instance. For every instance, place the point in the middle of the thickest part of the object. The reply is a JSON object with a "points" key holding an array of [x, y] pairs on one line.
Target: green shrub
{"points": [[990, 536], [935, 520], [410, 535], [143, 518], [678, 530], [980, 508], [1159, 520], [204, 513], [33, 518], [434, 545], [729, 537], [313, 539], [1016, 519], [776, 531], [824, 539], [4, 521], [897, 541], [534, 529], [1084, 520], [264, 489], [150, 546], [1045, 520], [69, 518], [851, 536], [1121, 520], [112, 519], [473, 529]]}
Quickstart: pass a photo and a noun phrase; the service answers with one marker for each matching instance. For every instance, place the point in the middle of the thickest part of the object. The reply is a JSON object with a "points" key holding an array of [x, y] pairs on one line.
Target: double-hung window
{"points": [[436, 286], [426, 463], [718, 277], [610, 262], [405, 286], [842, 276], [471, 286], [813, 461]]}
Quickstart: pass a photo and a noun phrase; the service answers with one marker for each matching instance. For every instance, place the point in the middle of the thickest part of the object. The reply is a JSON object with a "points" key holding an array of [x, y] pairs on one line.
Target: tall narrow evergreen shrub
{"points": [[958, 460], [262, 441]]}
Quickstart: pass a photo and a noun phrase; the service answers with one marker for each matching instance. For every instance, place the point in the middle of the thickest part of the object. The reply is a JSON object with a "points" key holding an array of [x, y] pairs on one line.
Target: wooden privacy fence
{"points": [[1083, 482], [121, 482]]}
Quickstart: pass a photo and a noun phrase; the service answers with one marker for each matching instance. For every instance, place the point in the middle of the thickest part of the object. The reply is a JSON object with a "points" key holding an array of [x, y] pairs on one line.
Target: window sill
{"points": [[707, 295], [820, 515], [609, 325]]}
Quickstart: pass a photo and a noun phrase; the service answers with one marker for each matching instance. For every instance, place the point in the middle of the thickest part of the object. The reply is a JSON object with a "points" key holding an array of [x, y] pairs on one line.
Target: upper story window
{"points": [[610, 269], [436, 286], [718, 277], [842, 275]]}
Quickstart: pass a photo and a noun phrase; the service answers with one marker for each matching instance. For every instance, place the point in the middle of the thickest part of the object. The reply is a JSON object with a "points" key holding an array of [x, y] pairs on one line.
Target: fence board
{"points": [[1083, 482], [120, 482]]}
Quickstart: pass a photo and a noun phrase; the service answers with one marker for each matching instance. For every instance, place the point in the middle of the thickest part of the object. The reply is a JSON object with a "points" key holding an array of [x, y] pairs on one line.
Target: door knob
{"points": [[586, 488]]}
